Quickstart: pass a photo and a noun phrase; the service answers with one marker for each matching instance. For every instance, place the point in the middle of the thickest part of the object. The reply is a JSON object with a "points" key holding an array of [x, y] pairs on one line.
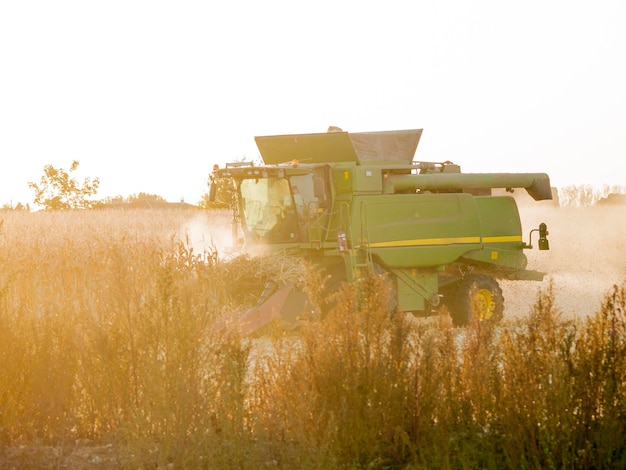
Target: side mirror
{"points": [[543, 237]]}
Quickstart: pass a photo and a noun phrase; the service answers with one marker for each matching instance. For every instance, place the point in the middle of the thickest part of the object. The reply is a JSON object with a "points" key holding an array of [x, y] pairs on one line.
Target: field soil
{"points": [[587, 257]]}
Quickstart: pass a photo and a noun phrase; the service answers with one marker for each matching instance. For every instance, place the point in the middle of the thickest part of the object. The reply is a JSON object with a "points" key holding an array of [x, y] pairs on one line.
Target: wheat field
{"points": [[109, 356]]}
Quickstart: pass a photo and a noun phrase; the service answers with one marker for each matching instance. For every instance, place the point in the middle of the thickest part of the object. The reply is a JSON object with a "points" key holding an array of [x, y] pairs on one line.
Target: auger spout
{"points": [[536, 184]]}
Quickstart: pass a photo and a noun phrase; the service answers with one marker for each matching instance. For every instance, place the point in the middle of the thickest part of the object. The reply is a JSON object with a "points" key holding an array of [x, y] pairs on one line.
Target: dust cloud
{"points": [[209, 233], [587, 257]]}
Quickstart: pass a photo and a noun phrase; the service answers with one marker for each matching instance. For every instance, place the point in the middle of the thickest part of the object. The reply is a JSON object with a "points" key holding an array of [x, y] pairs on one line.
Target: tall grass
{"points": [[107, 338]]}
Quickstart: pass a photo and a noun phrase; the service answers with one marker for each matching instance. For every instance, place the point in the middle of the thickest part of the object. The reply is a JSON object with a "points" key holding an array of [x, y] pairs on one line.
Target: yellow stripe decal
{"points": [[446, 241], [427, 241], [505, 239]]}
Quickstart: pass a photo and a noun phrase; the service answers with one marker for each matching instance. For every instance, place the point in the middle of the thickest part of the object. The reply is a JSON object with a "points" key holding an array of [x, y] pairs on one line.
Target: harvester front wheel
{"points": [[477, 297]]}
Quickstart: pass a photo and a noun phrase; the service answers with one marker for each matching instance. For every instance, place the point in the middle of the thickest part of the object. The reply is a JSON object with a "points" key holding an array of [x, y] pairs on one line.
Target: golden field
{"points": [[109, 357]]}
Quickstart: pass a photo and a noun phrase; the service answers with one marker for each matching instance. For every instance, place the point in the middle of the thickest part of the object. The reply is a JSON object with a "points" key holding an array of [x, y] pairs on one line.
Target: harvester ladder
{"points": [[356, 262], [364, 241], [361, 255]]}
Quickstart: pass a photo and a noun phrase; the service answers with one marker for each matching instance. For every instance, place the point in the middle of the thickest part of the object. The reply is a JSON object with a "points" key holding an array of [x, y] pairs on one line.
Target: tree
{"points": [[223, 194], [18, 207], [58, 191], [145, 197]]}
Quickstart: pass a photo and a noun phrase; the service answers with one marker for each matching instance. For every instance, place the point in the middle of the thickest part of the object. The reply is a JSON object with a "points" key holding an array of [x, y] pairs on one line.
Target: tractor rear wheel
{"points": [[477, 297]]}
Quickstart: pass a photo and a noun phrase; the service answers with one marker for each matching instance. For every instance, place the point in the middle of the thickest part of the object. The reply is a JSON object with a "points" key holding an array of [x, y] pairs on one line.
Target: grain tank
{"points": [[356, 203]]}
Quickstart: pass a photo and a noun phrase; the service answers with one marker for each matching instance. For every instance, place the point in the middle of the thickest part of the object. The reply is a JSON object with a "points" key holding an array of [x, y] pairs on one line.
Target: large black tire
{"points": [[476, 297]]}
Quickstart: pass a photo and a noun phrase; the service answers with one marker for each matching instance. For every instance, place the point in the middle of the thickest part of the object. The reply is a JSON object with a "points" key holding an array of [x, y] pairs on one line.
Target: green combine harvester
{"points": [[357, 203]]}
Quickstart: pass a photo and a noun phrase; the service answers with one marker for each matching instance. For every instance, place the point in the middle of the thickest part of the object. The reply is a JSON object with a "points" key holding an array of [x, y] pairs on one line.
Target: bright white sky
{"points": [[147, 95]]}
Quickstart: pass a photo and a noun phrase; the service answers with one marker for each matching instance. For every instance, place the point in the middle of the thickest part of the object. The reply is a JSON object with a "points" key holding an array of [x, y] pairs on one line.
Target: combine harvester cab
{"points": [[357, 203]]}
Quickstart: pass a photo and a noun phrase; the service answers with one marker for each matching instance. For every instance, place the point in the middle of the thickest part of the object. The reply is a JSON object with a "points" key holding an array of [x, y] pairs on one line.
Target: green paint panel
{"points": [[368, 181], [501, 231], [499, 216], [417, 230], [414, 289]]}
